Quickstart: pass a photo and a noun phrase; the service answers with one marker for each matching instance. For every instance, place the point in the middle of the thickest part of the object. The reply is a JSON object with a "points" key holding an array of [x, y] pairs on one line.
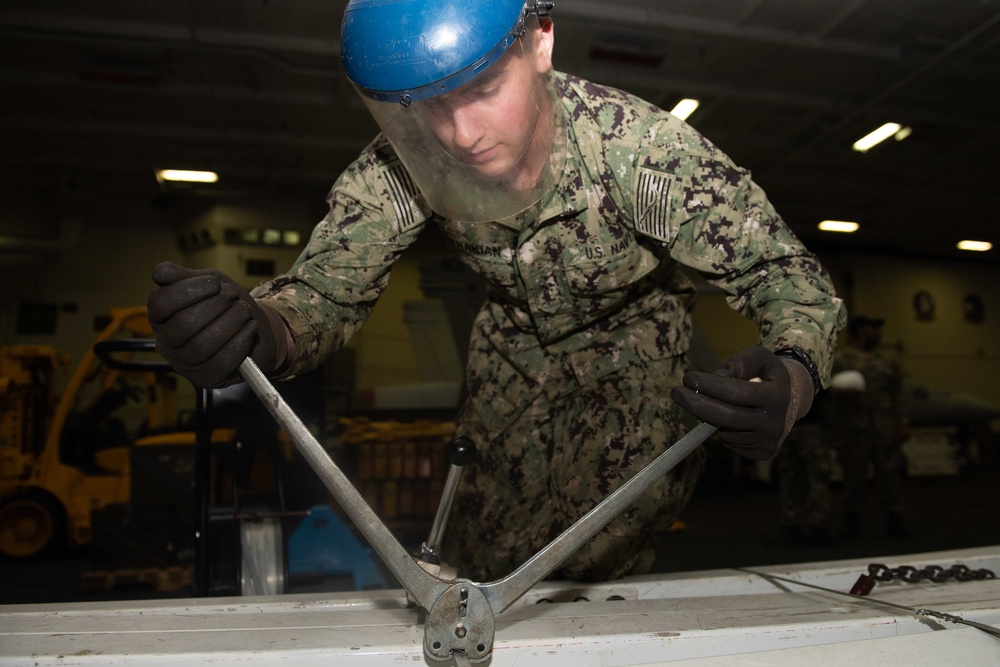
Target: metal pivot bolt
{"points": [[460, 624], [461, 452]]}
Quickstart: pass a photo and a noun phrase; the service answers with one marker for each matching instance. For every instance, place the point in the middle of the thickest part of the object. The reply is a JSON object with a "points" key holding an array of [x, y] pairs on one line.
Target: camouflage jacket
{"points": [[882, 409], [586, 282]]}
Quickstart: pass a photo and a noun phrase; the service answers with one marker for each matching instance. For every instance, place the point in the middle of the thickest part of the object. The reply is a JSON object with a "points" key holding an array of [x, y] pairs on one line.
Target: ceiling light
{"points": [[878, 136], [187, 176], [975, 246], [685, 108], [839, 226]]}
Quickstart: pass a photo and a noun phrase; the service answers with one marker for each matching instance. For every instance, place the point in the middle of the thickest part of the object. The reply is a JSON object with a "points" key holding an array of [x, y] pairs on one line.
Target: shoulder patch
{"points": [[402, 194], [652, 203]]}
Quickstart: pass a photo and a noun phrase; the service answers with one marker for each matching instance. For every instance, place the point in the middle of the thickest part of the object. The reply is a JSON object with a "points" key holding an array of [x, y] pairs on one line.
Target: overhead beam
{"points": [[177, 33], [636, 78], [645, 18], [649, 18]]}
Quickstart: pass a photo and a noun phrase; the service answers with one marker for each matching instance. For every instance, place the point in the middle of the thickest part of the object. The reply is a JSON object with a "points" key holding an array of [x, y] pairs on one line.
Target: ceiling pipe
{"points": [[644, 18], [659, 19], [168, 33], [631, 78], [262, 46], [878, 99]]}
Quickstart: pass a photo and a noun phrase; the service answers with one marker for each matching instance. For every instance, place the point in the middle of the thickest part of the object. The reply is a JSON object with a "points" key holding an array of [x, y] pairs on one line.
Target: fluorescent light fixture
{"points": [[878, 136], [975, 246], [685, 108], [187, 176], [839, 226]]}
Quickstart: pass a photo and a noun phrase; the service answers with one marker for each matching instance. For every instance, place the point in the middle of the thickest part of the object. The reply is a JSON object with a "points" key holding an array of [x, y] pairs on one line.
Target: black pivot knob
{"points": [[462, 451]]}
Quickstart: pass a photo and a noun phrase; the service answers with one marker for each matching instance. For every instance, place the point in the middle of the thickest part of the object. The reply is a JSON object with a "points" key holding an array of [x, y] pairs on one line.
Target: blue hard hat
{"points": [[403, 50]]}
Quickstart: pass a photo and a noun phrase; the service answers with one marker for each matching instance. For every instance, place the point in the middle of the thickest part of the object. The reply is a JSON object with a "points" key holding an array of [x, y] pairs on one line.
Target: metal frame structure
{"points": [[720, 617]]}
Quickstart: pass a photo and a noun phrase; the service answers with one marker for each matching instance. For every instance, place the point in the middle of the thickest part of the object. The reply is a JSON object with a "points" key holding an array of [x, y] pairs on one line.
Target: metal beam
{"points": [[177, 33], [649, 18]]}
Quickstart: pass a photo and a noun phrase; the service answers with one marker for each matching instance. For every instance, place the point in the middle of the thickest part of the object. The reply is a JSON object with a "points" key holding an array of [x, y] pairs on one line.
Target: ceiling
{"points": [[99, 94]]}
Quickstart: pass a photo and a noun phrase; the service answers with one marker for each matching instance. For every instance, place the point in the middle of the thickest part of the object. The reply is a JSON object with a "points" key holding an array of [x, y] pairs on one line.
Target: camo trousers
{"points": [[855, 451], [804, 466], [558, 460]]}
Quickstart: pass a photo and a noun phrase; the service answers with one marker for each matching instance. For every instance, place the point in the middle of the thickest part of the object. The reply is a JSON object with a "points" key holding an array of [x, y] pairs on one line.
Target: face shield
{"points": [[486, 142]]}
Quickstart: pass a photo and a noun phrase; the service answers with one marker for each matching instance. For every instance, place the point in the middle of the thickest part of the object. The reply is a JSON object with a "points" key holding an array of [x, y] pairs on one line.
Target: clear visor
{"points": [[487, 150]]}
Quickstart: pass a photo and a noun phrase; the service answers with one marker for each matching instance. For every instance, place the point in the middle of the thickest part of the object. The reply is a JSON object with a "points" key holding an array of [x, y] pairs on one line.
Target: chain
{"points": [[934, 573], [944, 616]]}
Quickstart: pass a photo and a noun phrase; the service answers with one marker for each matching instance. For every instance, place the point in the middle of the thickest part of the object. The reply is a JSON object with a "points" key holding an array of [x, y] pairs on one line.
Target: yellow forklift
{"points": [[152, 489], [64, 457]]}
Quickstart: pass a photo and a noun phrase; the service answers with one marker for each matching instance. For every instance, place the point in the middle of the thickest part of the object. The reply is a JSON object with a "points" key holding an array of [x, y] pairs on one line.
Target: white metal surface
{"points": [[720, 617]]}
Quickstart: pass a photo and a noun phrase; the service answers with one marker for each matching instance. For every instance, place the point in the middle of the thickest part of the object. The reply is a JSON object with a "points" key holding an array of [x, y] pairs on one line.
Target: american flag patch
{"points": [[652, 204], [402, 194]]}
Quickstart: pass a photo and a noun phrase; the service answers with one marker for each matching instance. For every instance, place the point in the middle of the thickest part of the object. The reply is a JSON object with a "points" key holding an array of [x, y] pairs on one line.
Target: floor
{"points": [[741, 528], [731, 522]]}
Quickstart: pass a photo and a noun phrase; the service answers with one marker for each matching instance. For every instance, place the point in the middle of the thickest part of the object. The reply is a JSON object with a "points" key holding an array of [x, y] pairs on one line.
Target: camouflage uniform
{"points": [[804, 468], [868, 428], [587, 320]]}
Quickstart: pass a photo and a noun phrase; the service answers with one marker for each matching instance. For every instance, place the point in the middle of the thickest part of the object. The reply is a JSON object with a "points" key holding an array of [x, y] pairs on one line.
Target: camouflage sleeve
{"points": [[374, 214], [713, 217]]}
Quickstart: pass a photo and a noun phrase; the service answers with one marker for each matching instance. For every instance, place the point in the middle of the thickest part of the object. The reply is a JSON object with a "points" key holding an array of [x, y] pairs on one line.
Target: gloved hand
{"points": [[754, 400], [205, 325]]}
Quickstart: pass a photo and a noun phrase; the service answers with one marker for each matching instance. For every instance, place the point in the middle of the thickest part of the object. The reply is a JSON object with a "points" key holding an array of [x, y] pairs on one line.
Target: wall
{"points": [[947, 352], [205, 235], [105, 257], [105, 262], [384, 354]]}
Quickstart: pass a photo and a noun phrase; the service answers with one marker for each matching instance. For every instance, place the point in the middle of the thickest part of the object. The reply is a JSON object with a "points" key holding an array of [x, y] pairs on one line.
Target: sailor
{"points": [[869, 424], [579, 205]]}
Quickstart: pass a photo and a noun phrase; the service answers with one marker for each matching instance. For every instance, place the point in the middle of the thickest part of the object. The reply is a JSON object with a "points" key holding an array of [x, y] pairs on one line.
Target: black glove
{"points": [[754, 400], [205, 325]]}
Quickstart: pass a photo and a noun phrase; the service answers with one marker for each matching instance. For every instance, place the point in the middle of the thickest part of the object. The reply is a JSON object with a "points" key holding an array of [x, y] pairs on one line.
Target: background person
{"points": [[869, 424]]}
